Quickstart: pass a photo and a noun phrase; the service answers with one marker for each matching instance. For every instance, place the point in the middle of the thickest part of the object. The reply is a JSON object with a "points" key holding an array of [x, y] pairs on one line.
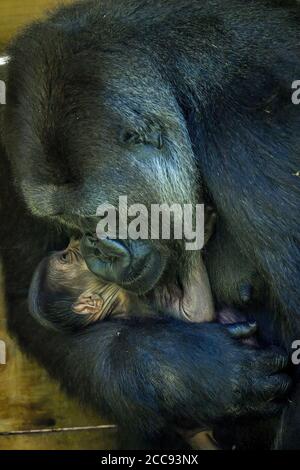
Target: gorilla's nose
{"points": [[135, 265]]}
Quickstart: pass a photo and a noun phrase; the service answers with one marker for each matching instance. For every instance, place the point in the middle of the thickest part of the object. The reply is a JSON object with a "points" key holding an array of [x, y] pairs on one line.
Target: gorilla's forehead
{"points": [[106, 86]]}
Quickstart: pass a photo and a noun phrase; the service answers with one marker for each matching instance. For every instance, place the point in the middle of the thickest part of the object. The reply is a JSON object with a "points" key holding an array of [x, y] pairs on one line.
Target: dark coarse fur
{"points": [[213, 79]]}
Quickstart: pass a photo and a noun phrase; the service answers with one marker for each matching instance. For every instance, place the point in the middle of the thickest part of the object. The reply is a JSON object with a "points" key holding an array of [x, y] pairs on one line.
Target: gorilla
{"points": [[164, 101]]}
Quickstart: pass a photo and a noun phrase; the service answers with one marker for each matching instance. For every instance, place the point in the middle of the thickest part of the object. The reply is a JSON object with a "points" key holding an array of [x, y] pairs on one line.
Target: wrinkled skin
{"points": [[165, 102]]}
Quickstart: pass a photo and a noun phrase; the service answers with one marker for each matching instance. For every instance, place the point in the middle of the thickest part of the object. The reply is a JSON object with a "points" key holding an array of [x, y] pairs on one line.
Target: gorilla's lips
{"points": [[134, 265]]}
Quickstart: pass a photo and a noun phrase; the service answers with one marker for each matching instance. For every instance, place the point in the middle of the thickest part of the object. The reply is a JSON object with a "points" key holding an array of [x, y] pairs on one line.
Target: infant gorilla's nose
{"points": [[135, 265]]}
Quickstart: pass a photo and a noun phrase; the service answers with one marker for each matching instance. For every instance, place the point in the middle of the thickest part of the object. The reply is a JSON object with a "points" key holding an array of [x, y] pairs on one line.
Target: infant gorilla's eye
{"points": [[70, 256], [65, 257]]}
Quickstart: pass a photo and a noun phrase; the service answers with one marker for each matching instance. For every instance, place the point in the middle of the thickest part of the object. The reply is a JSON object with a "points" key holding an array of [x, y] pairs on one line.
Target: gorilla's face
{"points": [[85, 128], [81, 133]]}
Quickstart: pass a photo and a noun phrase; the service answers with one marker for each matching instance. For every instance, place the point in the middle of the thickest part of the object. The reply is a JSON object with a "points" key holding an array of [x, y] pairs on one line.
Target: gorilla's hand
{"points": [[134, 265], [155, 371], [262, 382], [226, 379]]}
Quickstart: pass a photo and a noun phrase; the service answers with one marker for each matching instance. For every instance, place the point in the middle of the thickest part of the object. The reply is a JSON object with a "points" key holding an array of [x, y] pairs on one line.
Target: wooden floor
{"points": [[35, 414]]}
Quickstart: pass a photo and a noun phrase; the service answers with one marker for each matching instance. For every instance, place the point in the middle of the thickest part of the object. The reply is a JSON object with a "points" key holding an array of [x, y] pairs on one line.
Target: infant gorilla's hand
{"points": [[133, 265]]}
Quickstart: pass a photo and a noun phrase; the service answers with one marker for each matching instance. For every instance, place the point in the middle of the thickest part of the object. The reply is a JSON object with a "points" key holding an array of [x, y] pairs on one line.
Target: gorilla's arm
{"points": [[245, 134], [252, 178], [262, 217], [147, 373]]}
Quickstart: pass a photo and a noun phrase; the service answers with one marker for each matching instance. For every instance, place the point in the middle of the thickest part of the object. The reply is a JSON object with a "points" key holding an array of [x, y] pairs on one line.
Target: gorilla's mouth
{"points": [[135, 265], [144, 263]]}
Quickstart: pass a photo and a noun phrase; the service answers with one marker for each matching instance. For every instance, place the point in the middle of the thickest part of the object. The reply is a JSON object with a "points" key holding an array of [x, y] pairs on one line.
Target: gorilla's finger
{"points": [[274, 360], [241, 330]]}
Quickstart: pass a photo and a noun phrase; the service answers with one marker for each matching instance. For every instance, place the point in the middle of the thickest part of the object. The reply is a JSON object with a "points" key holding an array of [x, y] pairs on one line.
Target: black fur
{"points": [[213, 80]]}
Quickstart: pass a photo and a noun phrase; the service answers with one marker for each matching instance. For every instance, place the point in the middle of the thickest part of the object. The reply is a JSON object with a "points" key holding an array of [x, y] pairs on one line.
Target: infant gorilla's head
{"points": [[65, 294]]}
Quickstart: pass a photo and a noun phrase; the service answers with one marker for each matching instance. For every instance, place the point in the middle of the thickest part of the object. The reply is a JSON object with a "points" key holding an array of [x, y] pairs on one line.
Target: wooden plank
{"points": [[30, 400], [78, 440]]}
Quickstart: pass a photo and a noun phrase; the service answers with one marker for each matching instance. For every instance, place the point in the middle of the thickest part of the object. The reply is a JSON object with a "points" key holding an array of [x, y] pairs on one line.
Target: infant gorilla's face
{"points": [[68, 271], [65, 293]]}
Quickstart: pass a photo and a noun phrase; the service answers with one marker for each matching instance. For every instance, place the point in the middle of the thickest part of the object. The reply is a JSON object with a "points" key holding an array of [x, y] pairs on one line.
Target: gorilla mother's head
{"points": [[97, 114]]}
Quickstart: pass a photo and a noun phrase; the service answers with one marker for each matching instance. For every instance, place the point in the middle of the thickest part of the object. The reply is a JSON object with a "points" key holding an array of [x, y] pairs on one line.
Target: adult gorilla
{"points": [[162, 101]]}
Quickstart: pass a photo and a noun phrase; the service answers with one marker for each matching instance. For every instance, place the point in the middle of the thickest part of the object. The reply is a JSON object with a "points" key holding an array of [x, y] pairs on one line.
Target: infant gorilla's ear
{"points": [[89, 305]]}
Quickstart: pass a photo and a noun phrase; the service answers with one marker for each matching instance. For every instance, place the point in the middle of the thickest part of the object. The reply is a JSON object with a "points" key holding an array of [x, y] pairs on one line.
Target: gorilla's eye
{"points": [[131, 137], [153, 138]]}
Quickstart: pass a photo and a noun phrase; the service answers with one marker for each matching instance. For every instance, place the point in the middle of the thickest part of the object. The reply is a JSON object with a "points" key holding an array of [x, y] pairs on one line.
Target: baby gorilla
{"points": [[66, 295]]}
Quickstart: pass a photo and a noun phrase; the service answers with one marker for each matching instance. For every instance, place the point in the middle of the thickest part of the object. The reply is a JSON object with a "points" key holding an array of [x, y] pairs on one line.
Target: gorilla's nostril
{"points": [[113, 248], [91, 240]]}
